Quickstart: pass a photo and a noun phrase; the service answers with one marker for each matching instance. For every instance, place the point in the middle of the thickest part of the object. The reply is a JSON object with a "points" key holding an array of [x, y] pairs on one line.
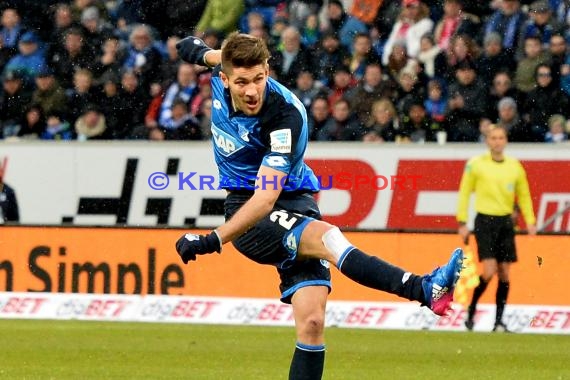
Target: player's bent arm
{"points": [[256, 208], [213, 58]]}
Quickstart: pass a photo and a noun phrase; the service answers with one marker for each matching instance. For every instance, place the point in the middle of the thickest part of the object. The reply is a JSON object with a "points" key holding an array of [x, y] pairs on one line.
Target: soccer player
{"points": [[259, 133], [496, 179]]}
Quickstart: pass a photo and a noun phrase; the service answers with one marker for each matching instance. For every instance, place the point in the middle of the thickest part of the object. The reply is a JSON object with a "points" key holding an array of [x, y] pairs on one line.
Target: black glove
{"points": [[192, 50], [190, 245]]}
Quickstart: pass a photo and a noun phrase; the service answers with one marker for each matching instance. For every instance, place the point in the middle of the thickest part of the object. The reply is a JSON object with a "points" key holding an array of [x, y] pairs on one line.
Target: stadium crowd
{"points": [[366, 70]]}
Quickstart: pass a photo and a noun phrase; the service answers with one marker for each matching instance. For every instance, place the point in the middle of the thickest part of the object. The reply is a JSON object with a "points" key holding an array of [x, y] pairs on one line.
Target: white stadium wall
{"points": [[373, 186]]}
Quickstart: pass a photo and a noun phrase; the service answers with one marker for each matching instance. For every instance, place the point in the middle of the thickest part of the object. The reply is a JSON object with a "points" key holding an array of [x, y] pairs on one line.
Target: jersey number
{"points": [[281, 218]]}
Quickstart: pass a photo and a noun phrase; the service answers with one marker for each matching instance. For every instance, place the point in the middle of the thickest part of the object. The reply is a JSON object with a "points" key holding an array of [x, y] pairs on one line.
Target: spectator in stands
{"points": [[310, 32], [81, 95], [110, 59], [9, 211], [29, 60], [301, 10], [517, 129], [556, 129], [502, 86], [540, 24], [143, 58], [78, 6], [545, 100], [62, 21], [74, 56], [373, 86], [362, 55], [131, 105], [10, 32], [436, 102], [342, 83], [343, 126], [13, 100], [95, 30], [342, 24], [292, 59], [526, 67], [507, 21], [558, 55], [57, 128], [398, 60], [305, 88], [329, 55], [33, 123], [565, 75], [91, 124], [410, 89], [204, 92], [183, 125], [185, 88], [221, 16], [205, 118], [429, 53], [462, 47], [48, 93], [494, 59], [384, 123], [169, 66], [366, 10], [465, 107], [417, 125], [454, 21], [412, 24], [108, 101], [318, 116]]}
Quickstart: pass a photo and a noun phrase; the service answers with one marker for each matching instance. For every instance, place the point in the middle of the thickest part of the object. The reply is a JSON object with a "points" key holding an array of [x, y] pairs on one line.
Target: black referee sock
{"points": [[501, 300], [377, 274], [308, 362], [477, 293]]}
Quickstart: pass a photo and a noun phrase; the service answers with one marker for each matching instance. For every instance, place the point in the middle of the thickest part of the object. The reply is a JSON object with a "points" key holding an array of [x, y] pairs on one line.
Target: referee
{"points": [[496, 180]]}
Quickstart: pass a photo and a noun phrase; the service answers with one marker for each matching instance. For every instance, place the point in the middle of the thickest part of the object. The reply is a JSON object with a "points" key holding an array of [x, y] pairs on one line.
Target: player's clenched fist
{"points": [[192, 50], [190, 245]]}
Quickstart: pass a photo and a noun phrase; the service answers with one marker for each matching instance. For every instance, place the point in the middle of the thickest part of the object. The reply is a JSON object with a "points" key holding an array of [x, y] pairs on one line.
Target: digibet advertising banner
{"points": [[362, 186], [135, 274]]}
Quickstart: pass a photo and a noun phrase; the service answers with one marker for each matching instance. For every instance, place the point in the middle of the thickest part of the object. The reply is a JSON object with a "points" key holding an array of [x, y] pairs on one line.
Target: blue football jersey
{"points": [[276, 137]]}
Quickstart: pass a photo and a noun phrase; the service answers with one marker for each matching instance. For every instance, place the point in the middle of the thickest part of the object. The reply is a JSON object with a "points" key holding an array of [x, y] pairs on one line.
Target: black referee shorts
{"points": [[495, 237], [275, 238]]}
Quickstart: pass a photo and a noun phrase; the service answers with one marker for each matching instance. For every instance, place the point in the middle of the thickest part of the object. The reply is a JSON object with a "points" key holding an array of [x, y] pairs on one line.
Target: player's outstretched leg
{"points": [[434, 290]]}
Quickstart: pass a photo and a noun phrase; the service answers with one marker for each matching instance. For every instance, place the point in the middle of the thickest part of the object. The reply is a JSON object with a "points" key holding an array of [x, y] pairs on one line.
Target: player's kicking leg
{"points": [[434, 290]]}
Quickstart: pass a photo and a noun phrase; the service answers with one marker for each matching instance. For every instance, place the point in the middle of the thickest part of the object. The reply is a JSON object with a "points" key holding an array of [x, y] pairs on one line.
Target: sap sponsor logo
{"points": [[226, 144], [281, 141]]}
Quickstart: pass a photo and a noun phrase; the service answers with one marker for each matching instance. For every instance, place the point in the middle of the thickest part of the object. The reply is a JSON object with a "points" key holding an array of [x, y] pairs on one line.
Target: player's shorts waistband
{"points": [[283, 195]]}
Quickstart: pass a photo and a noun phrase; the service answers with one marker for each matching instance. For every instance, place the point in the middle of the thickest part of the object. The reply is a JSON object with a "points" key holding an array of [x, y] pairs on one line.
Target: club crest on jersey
{"points": [[281, 141], [243, 132]]}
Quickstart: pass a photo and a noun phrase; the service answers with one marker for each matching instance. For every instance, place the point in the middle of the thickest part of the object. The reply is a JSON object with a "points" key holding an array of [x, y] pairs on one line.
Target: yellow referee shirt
{"points": [[495, 185]]}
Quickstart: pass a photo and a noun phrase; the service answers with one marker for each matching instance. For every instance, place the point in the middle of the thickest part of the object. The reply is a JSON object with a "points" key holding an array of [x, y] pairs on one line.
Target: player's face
{"points": [[497, 140], [247, 87]]}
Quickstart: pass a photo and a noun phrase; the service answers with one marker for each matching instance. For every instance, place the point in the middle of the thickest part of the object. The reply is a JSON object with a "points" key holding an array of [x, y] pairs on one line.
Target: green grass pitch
{"points": [[100, 350]]}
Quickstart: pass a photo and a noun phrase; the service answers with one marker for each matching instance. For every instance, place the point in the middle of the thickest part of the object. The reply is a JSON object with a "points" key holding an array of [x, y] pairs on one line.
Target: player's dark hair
{"points": [[243, 50]]}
